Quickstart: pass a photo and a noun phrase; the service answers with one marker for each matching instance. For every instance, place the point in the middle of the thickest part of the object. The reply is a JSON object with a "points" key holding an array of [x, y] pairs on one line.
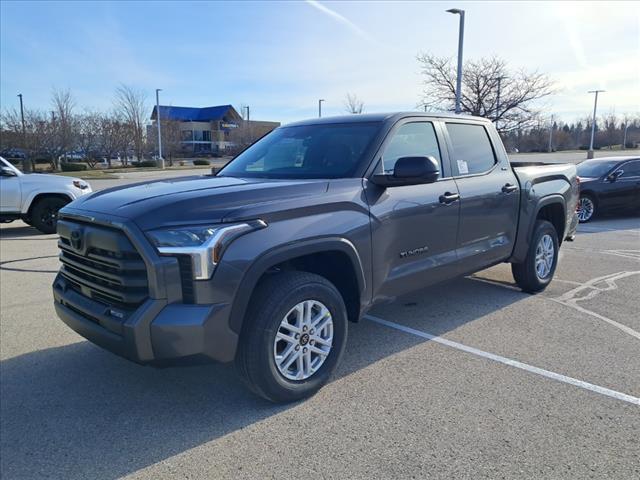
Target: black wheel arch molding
{"points": [[527, 224], [278, 255]]}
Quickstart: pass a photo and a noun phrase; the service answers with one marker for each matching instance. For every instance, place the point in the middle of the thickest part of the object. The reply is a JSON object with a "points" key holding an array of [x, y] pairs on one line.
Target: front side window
{"points": [[472, 150], [417, 139], [306, 151]]}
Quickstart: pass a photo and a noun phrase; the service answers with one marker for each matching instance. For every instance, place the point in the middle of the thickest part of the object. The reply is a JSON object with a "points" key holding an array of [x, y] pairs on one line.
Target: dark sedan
{"points": [[608, 184]]}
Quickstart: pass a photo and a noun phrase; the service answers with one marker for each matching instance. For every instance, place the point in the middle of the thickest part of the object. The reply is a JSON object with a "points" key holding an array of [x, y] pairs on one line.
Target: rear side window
{"points": [[417, 139], [472, 151], [631, 169]]}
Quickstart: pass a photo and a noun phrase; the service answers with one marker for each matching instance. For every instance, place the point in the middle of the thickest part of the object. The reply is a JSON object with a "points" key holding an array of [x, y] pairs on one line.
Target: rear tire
{"points": [[262, 357], [537, 270], [44, 215]]}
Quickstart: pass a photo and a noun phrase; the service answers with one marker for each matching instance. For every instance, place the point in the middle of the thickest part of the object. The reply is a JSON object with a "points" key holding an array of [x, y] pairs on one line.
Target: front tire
{"points": [[586, 208], [293, 336], [44, 215], [537, 270]]}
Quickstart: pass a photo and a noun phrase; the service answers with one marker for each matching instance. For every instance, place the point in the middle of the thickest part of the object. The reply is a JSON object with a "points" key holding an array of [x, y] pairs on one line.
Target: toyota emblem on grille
{"points": [[76, 239]]}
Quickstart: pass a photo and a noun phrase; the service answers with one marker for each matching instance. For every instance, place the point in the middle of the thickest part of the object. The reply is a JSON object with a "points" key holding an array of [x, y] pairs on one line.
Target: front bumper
{"points": [[155, 332], [163, 328]]}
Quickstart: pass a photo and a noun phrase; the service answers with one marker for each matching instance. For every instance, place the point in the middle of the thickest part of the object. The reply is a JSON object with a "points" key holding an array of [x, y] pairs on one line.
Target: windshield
{"points": [[306, 151], [6, 164], [595, 168]]}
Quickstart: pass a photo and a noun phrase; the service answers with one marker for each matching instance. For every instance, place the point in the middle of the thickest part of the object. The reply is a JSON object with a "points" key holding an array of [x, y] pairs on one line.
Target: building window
{"points": [[187, 135], [206, 135]]}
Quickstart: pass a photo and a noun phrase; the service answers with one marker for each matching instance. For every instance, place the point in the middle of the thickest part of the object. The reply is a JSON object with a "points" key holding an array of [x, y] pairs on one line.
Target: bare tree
{"points": [[114, 136], [611, 132], [88, 136], [171, 138], [131, 105], [63, 120], [520, 90], [353, 104]]}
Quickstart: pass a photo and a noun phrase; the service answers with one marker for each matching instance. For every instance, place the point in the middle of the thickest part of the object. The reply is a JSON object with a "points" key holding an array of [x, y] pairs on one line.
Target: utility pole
{"points": [[248, 117], [320, 107], [457, 11], [26, 163], [158, 90], [593, 123], [550, 134], [498, 101]]}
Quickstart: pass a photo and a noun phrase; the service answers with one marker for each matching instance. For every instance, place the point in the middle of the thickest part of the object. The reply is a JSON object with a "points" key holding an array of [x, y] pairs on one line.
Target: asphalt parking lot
{"points": [[471, 379]]}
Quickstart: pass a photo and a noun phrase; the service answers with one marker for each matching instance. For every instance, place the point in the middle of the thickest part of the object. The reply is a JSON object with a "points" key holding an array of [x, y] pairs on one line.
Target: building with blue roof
{"points": [[212, 129]]}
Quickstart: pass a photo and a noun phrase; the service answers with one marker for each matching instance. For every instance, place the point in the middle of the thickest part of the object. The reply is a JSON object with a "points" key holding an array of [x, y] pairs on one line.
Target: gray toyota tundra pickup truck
{"points": [[265, 262]]}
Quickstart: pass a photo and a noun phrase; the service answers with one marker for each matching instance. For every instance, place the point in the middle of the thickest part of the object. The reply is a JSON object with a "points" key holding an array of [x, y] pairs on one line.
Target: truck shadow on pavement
{"points": [[20, 232], [77, 411]]}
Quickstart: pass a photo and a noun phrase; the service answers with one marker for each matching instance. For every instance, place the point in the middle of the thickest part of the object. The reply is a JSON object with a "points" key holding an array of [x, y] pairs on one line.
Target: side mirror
{"points": [[615, 175], [410, 171], [7, 172]]}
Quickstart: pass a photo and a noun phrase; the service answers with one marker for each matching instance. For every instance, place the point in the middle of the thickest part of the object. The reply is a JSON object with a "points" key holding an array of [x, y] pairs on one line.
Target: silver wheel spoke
{"points": [[545, 253], [303, 340]]}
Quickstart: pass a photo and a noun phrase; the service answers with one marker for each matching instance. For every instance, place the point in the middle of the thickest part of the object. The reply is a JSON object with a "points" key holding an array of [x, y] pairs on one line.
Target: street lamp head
{"points": [[596, 91], [456, 11]]}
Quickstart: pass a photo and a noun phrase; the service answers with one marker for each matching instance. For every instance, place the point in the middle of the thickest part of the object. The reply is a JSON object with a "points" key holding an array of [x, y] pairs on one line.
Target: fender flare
{"points": [[288, 252], [552, 199], [28, 204], [524, 233]]}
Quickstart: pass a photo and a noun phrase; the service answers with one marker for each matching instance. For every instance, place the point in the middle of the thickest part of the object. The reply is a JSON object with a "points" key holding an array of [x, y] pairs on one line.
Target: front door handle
{"points": [[508, 188], [449, 197]]}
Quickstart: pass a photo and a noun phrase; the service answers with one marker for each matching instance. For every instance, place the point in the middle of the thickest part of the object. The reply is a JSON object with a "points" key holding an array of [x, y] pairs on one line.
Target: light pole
{"points": [[550, 134], [26, 164], [457, 11], [248, 118], [158, 90], [593, 123], [320, 107]]}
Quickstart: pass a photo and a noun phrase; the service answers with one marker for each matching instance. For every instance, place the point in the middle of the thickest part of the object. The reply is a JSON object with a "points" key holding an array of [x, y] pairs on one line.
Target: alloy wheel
{"points": [[303, 340], [545, 253]]}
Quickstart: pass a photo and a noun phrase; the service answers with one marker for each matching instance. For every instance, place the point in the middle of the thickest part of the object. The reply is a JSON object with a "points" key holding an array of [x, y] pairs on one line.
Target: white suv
{"points": [[36, 198]]}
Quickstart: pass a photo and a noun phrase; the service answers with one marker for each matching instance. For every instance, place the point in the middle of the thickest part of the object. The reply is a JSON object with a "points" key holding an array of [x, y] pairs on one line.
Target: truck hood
{"points": [[201, 199], [44, 180]]}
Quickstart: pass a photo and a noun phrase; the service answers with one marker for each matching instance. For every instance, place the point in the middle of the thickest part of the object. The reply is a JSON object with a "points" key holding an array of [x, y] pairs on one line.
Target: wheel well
{"points": [[554, 213], [42, 196], [335, 266]]}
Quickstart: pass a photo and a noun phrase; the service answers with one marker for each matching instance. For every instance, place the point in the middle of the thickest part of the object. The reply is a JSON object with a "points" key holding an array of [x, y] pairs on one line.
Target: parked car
{"points": [[608, 184], [264, 263], [36, 198], [14, 153]]}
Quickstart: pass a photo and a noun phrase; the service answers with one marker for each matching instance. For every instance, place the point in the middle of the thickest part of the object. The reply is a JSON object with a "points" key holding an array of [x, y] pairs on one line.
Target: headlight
{"points": [[205, 244], [80, 184]]}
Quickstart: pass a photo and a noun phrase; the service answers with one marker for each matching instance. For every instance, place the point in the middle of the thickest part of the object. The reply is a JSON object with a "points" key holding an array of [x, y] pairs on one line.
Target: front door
{"points": [[489, 196], [10, 193], [413, 227], [624, 191]]}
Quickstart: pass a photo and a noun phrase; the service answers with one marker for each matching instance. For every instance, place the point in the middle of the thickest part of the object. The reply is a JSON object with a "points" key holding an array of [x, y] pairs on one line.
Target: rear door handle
{"points": [[449, 197], [508, 188]]}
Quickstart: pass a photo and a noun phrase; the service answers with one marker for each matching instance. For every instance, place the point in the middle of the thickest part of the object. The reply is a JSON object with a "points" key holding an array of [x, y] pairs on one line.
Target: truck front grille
{"points": [[103, 265]]}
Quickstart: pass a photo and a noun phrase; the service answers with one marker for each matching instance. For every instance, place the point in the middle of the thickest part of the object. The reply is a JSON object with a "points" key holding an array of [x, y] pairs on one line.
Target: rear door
{"points": [[489, 195], [413, 228]]}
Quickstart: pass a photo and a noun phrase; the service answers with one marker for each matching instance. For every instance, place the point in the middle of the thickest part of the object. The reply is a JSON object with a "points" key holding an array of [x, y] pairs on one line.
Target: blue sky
{"points": [[280, 57]]}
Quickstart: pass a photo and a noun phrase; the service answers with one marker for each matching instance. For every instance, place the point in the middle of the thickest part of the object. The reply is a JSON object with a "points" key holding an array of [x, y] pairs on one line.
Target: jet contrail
{"points": [[335, 15]]}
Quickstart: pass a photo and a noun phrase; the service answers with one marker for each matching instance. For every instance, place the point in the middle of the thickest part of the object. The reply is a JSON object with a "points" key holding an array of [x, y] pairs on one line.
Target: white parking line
{"points": [[507, 361]]}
